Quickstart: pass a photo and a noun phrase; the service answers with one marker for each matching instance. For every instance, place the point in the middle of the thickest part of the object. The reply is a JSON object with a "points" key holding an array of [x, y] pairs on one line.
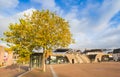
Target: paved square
{"points": [[110, 69], [105, 69]]}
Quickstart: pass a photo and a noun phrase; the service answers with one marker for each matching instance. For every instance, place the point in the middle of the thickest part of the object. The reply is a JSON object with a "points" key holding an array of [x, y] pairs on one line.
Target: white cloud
{"points": [[1, 16], [76, 25], [27, 12], [89, 30], [46, 4], [50, 5], [4, 22], [8, 4], [107, 11], [4, 44], [96, 32]]}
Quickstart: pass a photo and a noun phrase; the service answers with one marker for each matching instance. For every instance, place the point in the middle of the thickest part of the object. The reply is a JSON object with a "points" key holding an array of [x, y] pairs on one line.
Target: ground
{"points": [[38, 73], [105, 69], [110, 69], [12, 71]]}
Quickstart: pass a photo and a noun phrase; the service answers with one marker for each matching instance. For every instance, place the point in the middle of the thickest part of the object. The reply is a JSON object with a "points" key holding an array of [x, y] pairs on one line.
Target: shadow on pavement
{"points": [[15, 66]]}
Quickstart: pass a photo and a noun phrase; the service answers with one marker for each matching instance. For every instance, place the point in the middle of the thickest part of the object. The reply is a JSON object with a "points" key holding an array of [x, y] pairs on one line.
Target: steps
{"points": [[78, 58], [85, 58], [71, 57], [98, 57]]}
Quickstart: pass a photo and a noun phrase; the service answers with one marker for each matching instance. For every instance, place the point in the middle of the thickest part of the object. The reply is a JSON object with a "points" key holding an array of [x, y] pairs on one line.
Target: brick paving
{"points": [[106, 69], [12, 71], [39, 73], [110, 69]]}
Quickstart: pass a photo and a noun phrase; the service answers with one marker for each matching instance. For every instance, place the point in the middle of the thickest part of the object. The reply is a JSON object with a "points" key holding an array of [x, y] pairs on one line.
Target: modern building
{"points": [[68, 56], [116, 54], [96, 55]]}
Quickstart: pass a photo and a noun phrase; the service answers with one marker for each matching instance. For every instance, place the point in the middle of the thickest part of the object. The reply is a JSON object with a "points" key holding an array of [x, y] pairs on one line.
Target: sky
{"points": [[93, 23]]}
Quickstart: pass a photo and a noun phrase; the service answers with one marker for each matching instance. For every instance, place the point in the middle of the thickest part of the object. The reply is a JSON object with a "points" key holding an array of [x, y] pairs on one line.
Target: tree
{"points": [[18, 39], [42, 29]]}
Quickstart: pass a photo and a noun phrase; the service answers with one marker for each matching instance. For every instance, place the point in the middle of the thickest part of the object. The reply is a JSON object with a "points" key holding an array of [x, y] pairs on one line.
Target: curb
{"points": [[24, 73]]}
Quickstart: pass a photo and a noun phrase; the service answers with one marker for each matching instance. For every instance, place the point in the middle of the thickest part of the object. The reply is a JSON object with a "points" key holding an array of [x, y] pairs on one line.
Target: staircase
{"points": [[98, 57], [78, 58], [85, 58], [71, 57]]}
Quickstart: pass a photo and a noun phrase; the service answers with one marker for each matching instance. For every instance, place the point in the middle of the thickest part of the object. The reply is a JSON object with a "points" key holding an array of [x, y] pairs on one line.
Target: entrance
{"points": [[35, 60]]}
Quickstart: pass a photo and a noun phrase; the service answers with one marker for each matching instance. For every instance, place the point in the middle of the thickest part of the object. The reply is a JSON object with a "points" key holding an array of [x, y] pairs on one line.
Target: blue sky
{"points": [[93, 23]]}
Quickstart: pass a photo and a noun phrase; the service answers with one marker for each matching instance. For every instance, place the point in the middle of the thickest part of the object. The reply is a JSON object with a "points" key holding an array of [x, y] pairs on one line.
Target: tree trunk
{"points": [[43, 62], [30, 63], [19, 69], [49, 60]]}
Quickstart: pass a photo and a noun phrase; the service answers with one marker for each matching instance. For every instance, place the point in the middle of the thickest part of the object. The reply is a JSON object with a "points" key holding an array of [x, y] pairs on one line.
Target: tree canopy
{"points": [[41, 29]]}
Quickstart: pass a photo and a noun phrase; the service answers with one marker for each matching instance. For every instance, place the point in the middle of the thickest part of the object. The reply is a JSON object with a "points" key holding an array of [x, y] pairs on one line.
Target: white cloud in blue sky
{"points": [[93, 23], [5, 4]]}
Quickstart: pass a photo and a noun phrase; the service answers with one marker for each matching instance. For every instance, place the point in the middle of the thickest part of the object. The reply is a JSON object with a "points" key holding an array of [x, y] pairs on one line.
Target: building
{"points": [[5, 57], [68, 56], [96, 55], [116, 54]]}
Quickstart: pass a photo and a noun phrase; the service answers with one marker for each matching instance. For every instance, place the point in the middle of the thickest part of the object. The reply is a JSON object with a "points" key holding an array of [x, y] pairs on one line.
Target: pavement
{"points": [[12, 71], [105, 69], [38, 73]]}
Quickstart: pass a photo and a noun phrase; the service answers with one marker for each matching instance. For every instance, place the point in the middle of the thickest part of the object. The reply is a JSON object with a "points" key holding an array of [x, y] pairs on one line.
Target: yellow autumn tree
{"points": [[42, 29], [18, 38]]}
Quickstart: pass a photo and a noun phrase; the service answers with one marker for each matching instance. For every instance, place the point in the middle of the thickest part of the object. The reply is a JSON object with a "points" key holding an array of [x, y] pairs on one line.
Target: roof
{"points": [[116, 50], [93, 50], [61, 50]]}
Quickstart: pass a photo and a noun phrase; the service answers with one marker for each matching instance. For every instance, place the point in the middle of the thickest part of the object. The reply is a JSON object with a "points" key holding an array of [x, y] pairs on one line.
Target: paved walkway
{"points": [[39, 73], [12, 71], [106, 69]]}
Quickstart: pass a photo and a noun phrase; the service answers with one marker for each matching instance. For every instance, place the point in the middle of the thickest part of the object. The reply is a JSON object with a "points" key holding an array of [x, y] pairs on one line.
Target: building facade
{"points": [[5, 57]]}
